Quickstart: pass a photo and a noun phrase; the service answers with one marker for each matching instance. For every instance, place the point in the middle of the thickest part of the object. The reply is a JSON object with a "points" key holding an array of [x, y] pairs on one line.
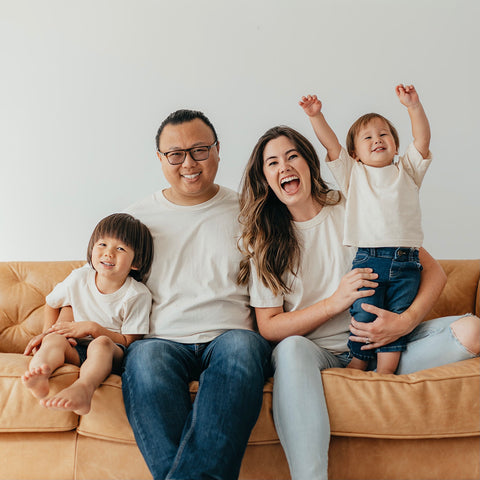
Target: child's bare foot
{"points": [[36, 380], [76, 398]]}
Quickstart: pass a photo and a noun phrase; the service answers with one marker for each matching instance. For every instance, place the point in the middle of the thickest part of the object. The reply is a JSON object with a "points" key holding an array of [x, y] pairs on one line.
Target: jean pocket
{"points": [[360, 258], [411, 267]]}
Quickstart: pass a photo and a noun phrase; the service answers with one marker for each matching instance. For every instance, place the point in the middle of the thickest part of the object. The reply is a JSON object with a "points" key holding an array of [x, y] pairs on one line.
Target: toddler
{"points": [[382, 216], [110, 307]]}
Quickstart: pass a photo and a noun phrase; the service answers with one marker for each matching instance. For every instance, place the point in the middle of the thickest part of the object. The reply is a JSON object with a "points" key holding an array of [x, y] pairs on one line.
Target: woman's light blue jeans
{"points": [[299, 407], [205, 440]]}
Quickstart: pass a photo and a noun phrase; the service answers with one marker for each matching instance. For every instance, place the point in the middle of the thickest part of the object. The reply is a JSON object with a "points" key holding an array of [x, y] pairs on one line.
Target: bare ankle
{"points": [[358, 364], [387, 362]]}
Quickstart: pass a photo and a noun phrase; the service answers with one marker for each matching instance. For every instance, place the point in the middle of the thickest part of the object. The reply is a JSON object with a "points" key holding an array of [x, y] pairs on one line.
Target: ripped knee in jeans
{"points": [[467, 330]]}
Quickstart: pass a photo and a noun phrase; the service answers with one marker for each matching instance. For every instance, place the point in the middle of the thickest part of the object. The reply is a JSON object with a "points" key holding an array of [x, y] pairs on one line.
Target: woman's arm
{"points": [[275, 324], [389, 326]]}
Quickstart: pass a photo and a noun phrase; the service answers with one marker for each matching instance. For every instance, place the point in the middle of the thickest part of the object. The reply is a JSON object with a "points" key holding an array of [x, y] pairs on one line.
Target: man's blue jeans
{"points": [[398, 280], [205, 440]]}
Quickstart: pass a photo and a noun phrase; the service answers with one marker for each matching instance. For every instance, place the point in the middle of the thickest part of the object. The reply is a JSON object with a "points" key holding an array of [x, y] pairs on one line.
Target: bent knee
{"points": [[102, 342], [467, 331], [293, 350]]}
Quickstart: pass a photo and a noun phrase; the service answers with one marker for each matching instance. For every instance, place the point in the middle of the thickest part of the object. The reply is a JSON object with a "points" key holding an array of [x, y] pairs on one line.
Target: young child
{"points": [[111, 309], [382, 216]]}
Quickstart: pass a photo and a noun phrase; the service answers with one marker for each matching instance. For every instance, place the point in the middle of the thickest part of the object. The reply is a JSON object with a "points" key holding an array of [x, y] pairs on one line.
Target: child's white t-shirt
{"points": [[324, 261], [125, 311], [383, 205], [193, 278]]}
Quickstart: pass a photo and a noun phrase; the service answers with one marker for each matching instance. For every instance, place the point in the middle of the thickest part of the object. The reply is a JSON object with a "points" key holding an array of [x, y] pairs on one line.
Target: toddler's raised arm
{"points": [[408, 97], [312, 106]]}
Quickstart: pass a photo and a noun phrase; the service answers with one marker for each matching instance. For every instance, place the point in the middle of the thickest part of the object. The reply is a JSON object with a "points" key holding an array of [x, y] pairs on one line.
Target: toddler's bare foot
{"points": [[76, 398], [36, 380]]}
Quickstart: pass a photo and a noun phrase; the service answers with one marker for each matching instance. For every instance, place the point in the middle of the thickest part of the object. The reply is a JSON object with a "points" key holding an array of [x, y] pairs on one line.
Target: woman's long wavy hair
{"points": [[268, 237]]}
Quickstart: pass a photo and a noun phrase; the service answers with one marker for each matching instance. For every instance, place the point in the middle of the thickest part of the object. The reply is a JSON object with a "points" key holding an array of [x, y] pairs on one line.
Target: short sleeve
{"points": [[414, 164], [137, 313], [341, 169], [260, 295], [61, 295]]}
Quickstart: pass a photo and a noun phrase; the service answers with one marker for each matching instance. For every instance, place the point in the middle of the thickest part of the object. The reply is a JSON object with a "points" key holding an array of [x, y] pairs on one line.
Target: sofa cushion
{"points": [[444, 392], [462, 293], [107, 419], [440, 402], [23, 288], [21, 411]]}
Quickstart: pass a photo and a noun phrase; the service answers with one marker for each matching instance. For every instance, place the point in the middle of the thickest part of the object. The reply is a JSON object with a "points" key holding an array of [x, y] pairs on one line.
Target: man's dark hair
{"points": [[183, 116]]}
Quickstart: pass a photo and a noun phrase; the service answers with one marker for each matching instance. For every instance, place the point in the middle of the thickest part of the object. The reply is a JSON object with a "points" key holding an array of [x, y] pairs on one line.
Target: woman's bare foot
{"points": [[76, 398], [36, 380]]}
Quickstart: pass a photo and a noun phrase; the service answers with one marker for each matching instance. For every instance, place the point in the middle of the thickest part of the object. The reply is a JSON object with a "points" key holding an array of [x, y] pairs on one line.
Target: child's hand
{"points": [[311, 105], [407, 95], [72, 329], [34, 344]]}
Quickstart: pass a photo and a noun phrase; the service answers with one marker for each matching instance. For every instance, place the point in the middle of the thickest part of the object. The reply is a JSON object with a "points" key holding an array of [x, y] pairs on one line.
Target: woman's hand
{"points": [[348, 289], [386, 328]]}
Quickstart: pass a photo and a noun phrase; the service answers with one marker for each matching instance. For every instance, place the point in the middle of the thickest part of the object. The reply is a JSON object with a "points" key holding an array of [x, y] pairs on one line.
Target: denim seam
{"points": [[186, 438], [134, 420]]}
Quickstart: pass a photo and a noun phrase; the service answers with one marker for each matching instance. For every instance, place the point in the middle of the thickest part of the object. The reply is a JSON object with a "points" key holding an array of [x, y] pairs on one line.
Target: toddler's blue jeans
{"points": [[398, 280]]}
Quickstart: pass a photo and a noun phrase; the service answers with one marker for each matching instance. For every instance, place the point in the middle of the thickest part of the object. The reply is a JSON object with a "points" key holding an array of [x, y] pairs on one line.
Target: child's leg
{"points": [[403, 284], [387, 362], [367, 258], [54, 351], [358, 364], [101, 354]]}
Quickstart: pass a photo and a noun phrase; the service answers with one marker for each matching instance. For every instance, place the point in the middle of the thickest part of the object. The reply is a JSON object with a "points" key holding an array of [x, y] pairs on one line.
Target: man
{"points": [[200, 325]]}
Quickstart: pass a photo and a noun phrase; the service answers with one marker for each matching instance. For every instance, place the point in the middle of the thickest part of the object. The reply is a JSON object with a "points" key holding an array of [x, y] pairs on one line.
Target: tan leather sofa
{"points": [[420, 426]]}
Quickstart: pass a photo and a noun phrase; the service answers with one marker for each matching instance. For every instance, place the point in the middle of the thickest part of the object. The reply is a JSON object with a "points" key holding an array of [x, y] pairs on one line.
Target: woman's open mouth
{"points": [[290, 184]]}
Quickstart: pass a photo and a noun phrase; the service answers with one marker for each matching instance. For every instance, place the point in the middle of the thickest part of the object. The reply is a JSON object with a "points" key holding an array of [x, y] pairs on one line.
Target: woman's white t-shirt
{"points": [[323, 263]]}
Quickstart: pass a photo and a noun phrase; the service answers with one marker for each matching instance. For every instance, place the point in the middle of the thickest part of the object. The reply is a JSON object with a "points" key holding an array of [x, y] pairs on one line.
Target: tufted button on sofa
{"points": [[424, 425]]}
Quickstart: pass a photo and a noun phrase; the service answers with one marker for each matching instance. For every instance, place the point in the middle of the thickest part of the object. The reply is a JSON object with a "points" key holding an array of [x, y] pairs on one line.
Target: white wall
{"points": [[84, 86]]}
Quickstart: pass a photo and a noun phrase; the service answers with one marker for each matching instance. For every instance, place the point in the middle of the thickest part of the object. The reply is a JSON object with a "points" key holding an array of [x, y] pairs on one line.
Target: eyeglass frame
{"points": [[188, 150]]}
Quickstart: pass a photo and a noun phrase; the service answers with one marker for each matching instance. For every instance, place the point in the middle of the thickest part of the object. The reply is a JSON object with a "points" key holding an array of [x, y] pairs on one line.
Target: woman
{"points": [[296, 267]]}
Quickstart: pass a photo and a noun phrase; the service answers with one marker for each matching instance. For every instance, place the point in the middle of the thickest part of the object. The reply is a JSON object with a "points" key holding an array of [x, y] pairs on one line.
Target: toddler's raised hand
{"points": [[311, 105], [407, 95]]}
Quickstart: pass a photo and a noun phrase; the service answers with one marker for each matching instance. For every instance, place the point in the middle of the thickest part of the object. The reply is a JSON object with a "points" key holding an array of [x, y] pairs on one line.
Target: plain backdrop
{"points": [[85, 85]]}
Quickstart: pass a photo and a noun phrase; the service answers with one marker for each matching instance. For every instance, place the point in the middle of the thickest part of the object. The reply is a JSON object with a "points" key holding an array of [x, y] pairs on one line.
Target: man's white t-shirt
{"points": [[323, 263], [124, 311], [195, 267], [383, 205]]}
